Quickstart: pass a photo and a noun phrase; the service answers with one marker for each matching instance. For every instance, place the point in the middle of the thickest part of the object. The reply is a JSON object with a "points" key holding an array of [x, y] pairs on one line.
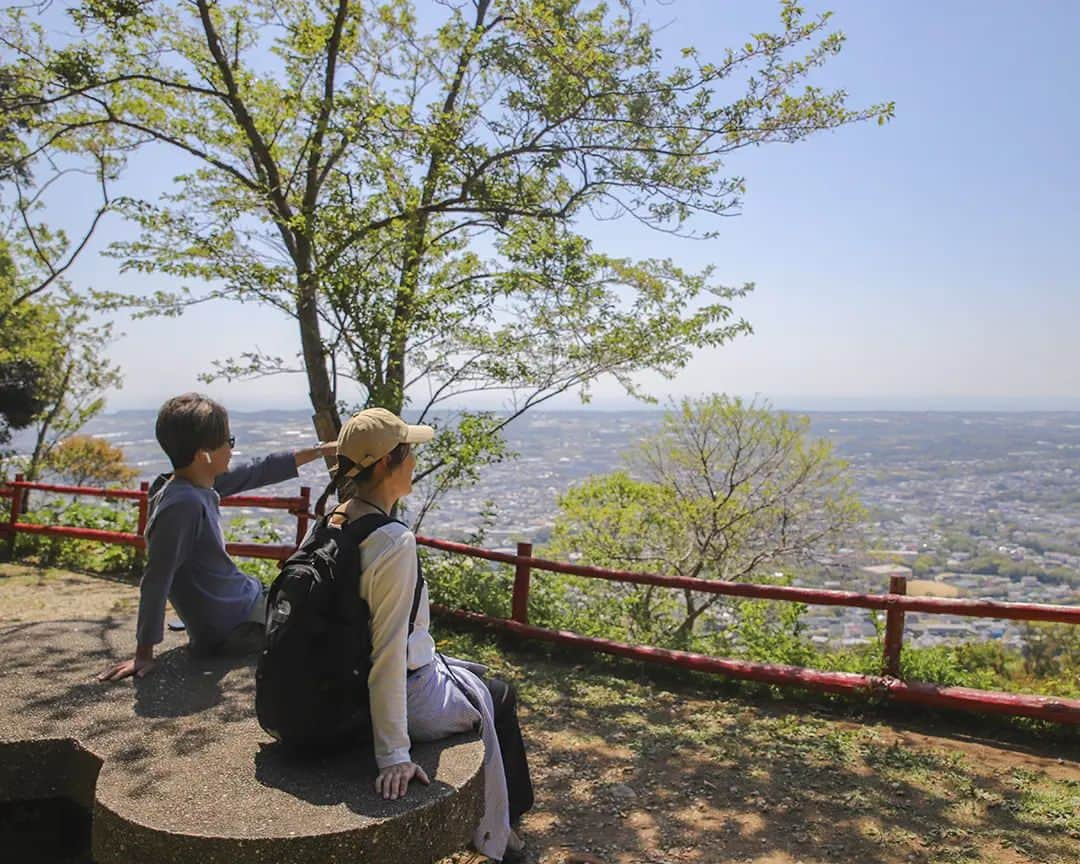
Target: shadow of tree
{"points": [[182, 684], [348, 778]]}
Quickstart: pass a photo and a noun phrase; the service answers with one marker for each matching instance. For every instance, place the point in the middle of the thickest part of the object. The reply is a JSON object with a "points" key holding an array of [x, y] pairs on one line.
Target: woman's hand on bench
{"points": [[394, 779]]}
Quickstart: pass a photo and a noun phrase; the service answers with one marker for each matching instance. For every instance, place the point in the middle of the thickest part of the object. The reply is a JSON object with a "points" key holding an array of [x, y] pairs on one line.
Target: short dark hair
{"points": [[189, 423]]}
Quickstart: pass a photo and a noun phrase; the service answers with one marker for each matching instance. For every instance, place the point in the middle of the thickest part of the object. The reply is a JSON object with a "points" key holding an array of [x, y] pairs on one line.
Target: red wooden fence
{"points": [[16, 490], [895, 604]]}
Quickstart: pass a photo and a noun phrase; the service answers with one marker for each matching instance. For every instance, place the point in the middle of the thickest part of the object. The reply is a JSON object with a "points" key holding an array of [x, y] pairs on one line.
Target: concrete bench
{"points": [[174, 767]]}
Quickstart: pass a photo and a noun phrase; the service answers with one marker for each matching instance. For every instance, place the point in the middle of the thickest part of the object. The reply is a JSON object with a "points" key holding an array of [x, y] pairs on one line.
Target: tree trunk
{"points": [[684, 633], [392, 395], [41, 447], [326, 419]]}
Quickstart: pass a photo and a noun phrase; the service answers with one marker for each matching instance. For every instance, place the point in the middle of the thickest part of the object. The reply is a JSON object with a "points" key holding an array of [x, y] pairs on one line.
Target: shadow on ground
{"points": [[347, 778]]}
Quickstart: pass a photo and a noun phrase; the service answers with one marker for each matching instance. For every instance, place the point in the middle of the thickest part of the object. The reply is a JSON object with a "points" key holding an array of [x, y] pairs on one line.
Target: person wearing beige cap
{"points": [[415, 693]]}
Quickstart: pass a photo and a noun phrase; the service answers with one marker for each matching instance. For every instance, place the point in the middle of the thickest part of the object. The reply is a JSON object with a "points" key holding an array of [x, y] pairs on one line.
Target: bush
{"points": [[770, 632], [953, 665], [460, 582], [261, 530], [556, 601], [1051, 650], [88, 555]]}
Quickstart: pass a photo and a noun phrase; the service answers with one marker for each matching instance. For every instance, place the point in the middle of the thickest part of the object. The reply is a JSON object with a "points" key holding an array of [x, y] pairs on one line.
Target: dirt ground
{"points": [[634, 766]]}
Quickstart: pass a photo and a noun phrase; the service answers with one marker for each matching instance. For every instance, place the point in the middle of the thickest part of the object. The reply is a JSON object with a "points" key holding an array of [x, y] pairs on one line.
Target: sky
{"points": [[927, 264]]}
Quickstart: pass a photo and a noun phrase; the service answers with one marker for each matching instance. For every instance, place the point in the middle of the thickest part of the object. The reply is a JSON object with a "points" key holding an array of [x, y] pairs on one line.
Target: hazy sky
{"points": [[931, 263]]}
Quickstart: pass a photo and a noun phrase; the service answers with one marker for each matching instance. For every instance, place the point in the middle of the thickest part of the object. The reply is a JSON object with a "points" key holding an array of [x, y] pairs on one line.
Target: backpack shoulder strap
{"points": [[362, 528], [358, 530], [417, 591], [158, 484]]}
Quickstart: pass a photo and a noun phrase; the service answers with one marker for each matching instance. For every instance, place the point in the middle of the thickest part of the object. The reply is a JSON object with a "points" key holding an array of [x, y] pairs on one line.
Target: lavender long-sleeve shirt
{"points": [[186, 560]]}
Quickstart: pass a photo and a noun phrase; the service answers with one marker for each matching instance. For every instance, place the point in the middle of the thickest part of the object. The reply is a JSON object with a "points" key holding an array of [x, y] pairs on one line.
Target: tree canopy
{"points": [[24, 354], [52, 374], [84, 460], [414, 184], [724, 490]]}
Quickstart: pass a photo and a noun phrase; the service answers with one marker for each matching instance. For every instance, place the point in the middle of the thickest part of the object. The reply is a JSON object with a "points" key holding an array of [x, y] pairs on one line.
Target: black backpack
{"points": [[311, 682]]}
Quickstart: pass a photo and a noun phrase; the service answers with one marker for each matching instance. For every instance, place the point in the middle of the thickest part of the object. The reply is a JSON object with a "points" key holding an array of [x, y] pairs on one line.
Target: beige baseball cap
{"points": [[368, 436]]}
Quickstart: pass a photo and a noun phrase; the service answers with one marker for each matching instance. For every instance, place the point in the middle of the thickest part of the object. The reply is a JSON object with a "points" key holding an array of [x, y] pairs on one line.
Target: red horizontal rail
{"points": [[266, 502], [93, 491], [297, 505], [119, 537], [987, 609], [1042, 707], [275, 552], [812, 596]]}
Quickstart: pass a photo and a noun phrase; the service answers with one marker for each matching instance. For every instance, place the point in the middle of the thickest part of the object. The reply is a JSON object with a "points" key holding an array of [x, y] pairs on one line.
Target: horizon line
{"points": [[1074, 408]]}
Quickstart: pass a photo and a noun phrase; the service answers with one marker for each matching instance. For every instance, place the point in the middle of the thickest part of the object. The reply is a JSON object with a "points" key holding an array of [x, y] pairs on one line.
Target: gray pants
{"points": [[245, 637], [437, 707]]}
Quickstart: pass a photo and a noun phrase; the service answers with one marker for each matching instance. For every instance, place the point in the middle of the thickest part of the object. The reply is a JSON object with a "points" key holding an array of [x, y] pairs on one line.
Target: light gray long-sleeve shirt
{"points": [[186, 560], [387, 584]]}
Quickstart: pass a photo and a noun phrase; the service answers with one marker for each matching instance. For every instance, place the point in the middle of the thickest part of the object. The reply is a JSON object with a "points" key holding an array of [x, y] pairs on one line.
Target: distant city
{"points": [[972, 504]]}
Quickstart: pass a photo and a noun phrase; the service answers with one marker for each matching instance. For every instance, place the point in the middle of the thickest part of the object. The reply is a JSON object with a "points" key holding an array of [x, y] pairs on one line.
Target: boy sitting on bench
{"points": [[186, 560]]}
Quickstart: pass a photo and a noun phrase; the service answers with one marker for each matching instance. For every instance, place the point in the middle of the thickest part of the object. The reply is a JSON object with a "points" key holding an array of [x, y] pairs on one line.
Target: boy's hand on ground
{"points": [[394, 779], [137, 666]]}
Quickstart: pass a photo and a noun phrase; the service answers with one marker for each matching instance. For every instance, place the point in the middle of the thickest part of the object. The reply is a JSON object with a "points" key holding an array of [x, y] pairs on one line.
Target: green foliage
{"points": [[1052, 651], [29, 333], [52, 373], [965, 664], [725, 490], [995, 563], [772, 632], [84, 460], [467, 583], [427, 179], [21, 385], [984, 665], [84, 555], [246, 530], [461, 449], [959, 541], [924, 564]]}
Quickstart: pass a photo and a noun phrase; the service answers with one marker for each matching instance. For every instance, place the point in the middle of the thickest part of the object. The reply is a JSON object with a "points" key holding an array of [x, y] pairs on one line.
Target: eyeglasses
{"points": [[232, 440]]}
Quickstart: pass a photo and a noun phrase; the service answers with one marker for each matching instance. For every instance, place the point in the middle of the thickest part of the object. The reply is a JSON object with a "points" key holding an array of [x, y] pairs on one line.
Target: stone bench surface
{"points": [[175, 767]]}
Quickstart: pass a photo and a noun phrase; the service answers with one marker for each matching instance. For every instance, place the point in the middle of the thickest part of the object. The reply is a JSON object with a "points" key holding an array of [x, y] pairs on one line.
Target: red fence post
{"points": [[144, 512], [144, 507], [302, 518], [894, 628], [16, 511], [520, 605]]}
